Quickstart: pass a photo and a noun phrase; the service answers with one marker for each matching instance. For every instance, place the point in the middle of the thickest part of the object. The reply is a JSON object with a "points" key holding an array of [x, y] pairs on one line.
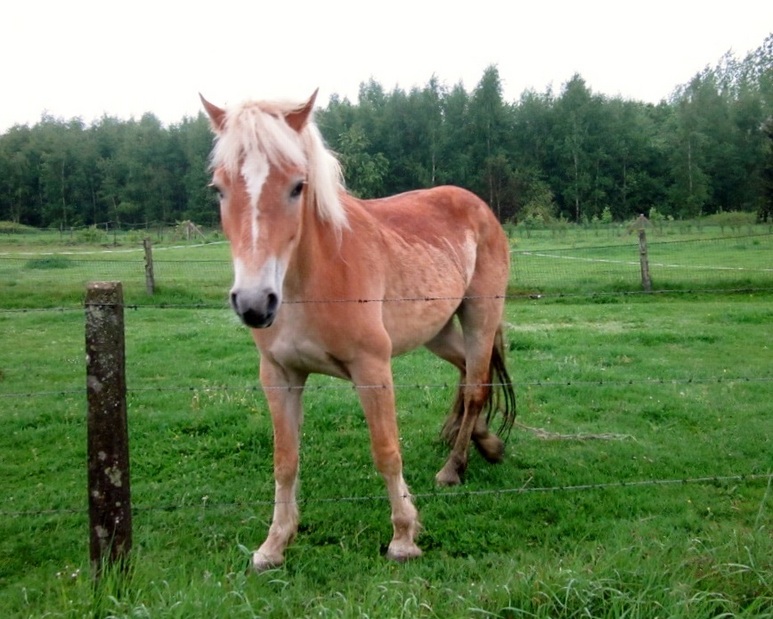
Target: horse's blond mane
{"points": [[259, 127]]}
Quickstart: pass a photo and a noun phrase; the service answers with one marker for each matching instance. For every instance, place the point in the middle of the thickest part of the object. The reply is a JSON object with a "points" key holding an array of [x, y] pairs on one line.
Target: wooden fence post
{"points": [[150, 279], [644, 261], [110, 517], [641, 224]]}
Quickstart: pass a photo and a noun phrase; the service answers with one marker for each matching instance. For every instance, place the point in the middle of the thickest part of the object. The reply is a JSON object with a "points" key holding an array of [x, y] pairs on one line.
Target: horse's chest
{"points": [[296, 348]]}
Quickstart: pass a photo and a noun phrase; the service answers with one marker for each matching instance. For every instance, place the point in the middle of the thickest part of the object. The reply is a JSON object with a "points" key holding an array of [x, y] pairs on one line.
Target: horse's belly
{"points": [[414, 322], [425, 283]]}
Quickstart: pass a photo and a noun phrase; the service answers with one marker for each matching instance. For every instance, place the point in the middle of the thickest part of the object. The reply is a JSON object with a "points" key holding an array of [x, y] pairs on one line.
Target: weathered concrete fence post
{"points": [[110, 517]]}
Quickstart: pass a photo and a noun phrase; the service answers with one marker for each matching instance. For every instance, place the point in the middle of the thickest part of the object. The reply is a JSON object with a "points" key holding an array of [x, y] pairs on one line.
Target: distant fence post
{"points": [[150, 279], [644, 261], [110, 517]]}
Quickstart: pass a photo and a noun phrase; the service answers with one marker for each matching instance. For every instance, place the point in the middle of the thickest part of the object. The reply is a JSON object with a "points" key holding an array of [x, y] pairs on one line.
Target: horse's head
{"points": [[265, 158]]}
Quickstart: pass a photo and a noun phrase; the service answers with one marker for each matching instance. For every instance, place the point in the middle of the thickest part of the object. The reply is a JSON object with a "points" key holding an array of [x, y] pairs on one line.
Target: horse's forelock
{"points": [[253, 127], [259, 126]]}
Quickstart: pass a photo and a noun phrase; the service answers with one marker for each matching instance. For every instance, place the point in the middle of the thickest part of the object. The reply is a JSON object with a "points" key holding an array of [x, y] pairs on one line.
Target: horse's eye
{"points": [[216, 190], [297, 190]]}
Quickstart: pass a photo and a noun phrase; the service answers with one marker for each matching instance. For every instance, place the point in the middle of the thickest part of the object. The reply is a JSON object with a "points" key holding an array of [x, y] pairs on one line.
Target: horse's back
{"points": [[430, 210], [449, 218], [437, 247]]}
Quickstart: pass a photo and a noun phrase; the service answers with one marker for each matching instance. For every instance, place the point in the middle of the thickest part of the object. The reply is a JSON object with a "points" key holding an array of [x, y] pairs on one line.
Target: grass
{"points": [[646, 370], [42, 276], [674, 387], [687, 264], [47, 272]]}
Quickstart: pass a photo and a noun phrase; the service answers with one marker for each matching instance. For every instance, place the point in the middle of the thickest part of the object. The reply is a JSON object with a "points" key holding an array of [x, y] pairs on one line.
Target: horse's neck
{"points": [[319, 248]]}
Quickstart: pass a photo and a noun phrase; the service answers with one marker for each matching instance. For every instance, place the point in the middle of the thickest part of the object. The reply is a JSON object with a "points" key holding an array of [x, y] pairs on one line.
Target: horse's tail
{"points": [[501, 399], [499, 402]]}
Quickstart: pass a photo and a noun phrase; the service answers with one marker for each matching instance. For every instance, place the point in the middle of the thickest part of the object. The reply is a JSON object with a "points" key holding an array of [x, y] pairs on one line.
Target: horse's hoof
{"points": [[262, 562], [492, 448], [403, 552], [448, 478]]}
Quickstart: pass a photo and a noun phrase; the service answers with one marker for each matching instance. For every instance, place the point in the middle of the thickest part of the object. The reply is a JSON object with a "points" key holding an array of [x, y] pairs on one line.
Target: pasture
{"points": [[637, 485]]}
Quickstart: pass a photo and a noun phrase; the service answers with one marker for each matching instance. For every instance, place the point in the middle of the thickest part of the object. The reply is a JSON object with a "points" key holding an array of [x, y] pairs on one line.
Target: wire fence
{"points": [[438, 494], [342, 386], [710, 264], [202, 273], [695, 264]]}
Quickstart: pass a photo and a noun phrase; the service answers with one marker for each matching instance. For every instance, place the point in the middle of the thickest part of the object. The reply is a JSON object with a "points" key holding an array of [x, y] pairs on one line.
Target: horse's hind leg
{"points": [[476, 391], [449, 346], [480, 315]]}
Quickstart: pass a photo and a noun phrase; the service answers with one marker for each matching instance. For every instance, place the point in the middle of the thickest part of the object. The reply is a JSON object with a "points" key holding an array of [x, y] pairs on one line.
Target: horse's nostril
{"points": [[253, 319], [272, 303], [233, 299]]}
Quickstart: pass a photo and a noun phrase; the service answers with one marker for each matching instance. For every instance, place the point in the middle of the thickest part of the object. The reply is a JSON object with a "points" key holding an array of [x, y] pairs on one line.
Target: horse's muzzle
{"points": [[256, 310]]}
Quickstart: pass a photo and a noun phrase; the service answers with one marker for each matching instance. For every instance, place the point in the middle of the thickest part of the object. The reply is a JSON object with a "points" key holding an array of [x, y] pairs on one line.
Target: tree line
{"points": [[573, 154]]}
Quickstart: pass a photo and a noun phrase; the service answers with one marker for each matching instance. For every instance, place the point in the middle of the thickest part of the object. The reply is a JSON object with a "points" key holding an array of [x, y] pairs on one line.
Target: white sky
{"points": [[87, 58]]}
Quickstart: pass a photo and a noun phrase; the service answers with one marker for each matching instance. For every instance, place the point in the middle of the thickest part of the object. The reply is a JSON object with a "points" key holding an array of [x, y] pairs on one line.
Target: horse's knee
{"points": [[388, 460]]}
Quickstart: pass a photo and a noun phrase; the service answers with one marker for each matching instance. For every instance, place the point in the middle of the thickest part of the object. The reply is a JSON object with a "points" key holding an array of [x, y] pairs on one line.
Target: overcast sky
{"points": [[87, 58]]}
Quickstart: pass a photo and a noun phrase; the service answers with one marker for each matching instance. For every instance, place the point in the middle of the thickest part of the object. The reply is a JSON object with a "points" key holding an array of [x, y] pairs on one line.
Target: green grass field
{"points": [[637, 484], [42, 270]]}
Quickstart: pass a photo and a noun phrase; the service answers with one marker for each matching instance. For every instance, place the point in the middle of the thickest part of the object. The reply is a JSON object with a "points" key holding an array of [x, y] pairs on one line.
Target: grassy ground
{"points": [[47, 270], [671, 389], [621, 397]]}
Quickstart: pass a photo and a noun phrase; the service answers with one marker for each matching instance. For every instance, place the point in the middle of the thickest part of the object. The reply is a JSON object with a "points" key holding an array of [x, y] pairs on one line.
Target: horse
{"points": [[332, 284]]}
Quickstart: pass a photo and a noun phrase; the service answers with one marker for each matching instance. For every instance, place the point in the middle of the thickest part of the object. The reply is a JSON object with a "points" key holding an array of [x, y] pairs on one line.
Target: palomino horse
{"points": [[336, 285]]}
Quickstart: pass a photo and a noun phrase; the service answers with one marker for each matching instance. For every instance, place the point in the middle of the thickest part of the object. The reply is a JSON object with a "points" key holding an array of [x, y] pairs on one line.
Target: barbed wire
{"points": [[31, 310], [532, 296], [26, 255], [438, 493], [710, 239], [664, 265], [342, 385]]}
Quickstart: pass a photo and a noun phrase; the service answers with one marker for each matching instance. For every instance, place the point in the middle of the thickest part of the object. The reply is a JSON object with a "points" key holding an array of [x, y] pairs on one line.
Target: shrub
{"points": [[49, 262]]}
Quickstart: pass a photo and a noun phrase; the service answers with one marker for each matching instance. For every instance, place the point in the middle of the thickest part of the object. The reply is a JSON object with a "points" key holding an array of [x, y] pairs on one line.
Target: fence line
{"points": [[733, 261], [341, 385], [97, 252], [445, 493], [437, 494], [507, 297], [695, 267]]}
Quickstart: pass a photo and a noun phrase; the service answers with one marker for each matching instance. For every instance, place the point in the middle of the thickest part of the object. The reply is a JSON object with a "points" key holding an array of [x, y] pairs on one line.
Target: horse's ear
{"points": [[216, 114], [297, 118]]}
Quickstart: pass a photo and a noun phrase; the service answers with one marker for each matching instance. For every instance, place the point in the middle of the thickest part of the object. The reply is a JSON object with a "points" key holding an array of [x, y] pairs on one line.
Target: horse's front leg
{"points": [[283, 392], [374, 385]]}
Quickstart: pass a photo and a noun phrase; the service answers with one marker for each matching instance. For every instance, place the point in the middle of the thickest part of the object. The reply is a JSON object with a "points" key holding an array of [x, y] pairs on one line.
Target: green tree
{"points": [[689, 141], [194, 140], [491, 122], [455, 139], [19, 163], [577, 155], [364, 171]]}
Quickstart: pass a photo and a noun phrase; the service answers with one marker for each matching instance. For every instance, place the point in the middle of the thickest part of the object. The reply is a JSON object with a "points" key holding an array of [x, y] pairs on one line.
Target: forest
{"points": [[572, 155]]}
